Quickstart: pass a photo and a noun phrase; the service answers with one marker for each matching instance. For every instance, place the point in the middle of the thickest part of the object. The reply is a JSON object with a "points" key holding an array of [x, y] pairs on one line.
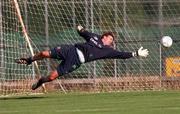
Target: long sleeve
{"points": [[114, 54], [87, 35]]}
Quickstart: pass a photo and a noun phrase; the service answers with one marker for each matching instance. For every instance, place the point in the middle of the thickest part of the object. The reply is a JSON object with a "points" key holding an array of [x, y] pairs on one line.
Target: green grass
{"points": [[100, 103]]}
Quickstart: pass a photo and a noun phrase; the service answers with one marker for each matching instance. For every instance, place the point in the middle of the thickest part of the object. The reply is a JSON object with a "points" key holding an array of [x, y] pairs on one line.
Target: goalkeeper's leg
{"points": [[53, 75], [38, 56]]}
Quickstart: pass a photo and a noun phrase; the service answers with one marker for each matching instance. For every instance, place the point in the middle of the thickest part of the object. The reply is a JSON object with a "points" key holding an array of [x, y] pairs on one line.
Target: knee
{"points": [[51, 78], [53, 75], [45, 53]]}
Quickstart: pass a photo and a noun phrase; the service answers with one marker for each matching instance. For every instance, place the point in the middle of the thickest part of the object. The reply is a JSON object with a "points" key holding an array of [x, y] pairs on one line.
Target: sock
{"points": [[29, 60], [43, 80]]}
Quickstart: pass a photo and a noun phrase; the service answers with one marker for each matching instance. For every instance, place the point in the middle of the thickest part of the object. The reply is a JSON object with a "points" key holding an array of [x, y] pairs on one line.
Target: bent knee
{"points": [[45, 53], [53, 75]]}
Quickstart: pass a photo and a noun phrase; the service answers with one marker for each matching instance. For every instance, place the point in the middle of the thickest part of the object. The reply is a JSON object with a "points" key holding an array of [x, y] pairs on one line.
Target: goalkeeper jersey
{"points": [[93, 48]]}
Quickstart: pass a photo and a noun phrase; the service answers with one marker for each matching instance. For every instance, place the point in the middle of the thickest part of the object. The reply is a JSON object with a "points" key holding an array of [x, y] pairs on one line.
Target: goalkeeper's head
{"points": [[107, 38]]}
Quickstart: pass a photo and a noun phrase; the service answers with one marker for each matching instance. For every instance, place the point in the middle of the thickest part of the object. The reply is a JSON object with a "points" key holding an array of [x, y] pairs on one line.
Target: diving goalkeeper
{"points": [[72, 56]]}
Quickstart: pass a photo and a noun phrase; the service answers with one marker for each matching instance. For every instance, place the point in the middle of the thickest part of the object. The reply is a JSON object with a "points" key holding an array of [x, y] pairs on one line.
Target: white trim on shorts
{"points": [[80, 55]]}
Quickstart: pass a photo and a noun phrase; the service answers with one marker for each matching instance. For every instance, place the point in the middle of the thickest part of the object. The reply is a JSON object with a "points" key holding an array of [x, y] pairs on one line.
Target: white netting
{"points": [[53, 22]]}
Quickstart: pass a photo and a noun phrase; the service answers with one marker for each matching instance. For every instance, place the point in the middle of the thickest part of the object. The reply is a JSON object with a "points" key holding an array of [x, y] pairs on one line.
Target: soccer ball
{"points": [[166, 41]]}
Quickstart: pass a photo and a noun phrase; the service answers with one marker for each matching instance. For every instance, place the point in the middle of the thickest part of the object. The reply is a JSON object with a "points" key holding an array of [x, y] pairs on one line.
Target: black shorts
{"points": [[69, 57]]}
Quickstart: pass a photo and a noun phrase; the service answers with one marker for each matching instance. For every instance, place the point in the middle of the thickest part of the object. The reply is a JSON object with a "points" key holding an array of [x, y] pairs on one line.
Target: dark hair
{"points": [[107, 34]]}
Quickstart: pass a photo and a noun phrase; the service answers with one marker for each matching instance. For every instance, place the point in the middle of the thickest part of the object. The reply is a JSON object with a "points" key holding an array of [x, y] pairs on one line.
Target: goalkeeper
{"points": [[72, 56]]}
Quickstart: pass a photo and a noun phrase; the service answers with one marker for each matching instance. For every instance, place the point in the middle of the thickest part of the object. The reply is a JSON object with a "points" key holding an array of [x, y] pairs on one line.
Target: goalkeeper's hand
{"points": [[80, 28], [141, 52]]}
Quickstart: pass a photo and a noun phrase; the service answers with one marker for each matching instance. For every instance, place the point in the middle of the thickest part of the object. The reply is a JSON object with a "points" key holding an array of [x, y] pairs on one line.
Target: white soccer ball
{"points": [[166, 41]]}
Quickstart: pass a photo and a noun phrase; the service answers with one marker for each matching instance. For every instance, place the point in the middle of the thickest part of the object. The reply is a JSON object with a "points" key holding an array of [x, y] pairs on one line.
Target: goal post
{"points": [[52, 22], [27, 39], [1, 50]]}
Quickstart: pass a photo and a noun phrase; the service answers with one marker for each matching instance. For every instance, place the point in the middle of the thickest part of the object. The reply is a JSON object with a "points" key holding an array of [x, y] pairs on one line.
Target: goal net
{"points": [[50, 23]]}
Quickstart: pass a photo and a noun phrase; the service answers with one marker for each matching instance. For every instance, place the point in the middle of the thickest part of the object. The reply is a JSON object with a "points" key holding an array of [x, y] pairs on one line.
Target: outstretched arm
{"points": [[125, 55], [85, 34]]}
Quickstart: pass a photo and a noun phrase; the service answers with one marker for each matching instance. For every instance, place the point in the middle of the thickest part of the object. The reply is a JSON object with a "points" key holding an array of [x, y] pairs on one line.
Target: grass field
{"points": [[100, 103]]}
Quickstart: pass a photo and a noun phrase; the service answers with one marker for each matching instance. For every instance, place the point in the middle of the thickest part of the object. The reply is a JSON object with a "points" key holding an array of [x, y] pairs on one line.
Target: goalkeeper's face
{"points": [[108, 40]]}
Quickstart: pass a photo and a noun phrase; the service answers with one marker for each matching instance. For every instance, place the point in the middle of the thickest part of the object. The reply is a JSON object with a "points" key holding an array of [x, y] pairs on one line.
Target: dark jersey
{"points": [[94, 49]]}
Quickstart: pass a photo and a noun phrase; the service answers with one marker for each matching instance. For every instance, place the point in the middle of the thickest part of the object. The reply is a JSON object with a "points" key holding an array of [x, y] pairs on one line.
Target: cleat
{"points": [[35, 86], [26, 61]]}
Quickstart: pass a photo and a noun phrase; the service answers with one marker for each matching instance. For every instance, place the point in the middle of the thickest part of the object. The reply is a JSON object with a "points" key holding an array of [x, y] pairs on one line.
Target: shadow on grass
{"points": [[24, 97]]}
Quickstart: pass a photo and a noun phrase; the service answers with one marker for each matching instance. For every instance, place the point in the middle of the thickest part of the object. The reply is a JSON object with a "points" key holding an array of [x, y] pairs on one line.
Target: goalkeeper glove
{"points": [[80, 28], [141, 52]]}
